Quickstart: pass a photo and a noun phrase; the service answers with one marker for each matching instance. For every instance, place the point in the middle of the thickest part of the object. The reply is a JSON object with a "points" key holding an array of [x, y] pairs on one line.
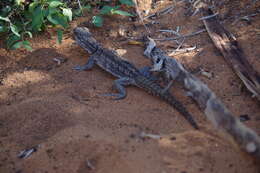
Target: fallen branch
{"points": [[27, 152], [214, 109], [182, 36], [183, 50], [227, 44], [160, 13]]}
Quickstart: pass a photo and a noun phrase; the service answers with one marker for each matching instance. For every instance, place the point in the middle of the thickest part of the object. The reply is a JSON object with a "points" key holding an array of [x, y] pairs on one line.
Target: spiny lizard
{"points": [[127, 73]]}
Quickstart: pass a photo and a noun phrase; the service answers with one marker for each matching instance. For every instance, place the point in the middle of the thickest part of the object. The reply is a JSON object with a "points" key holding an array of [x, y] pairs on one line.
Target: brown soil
{"points": [[78, 130]]}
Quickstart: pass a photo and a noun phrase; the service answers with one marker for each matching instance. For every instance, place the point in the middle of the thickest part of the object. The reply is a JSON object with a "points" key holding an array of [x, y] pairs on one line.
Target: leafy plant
{"points": [[111, 10], [127, 2], [20, 19]]}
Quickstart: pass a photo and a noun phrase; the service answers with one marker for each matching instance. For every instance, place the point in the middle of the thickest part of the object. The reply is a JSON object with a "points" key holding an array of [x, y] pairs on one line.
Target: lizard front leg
{"points": [[169, 68], [146, 71], [87, 66], [119, 85]]}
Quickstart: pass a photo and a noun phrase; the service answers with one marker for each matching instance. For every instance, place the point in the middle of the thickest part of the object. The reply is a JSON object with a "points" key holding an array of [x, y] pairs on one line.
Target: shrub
{"points": [[21, 19]]}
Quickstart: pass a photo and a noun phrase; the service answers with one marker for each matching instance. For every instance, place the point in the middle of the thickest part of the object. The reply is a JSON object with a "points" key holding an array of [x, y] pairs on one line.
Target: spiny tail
{"points": [[155, 89]]}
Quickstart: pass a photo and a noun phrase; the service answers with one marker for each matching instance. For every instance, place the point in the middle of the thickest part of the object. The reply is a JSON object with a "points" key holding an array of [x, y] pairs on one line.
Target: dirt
{"points": [[76, 129]]}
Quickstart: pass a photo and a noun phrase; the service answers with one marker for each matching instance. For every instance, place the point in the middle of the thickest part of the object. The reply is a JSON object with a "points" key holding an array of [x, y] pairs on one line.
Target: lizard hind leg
{"points": [[119, 85], [168, 86]]}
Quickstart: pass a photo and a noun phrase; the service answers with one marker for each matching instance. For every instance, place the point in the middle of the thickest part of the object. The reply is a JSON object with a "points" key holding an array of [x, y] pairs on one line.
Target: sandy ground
{"points": [[78, 130]]}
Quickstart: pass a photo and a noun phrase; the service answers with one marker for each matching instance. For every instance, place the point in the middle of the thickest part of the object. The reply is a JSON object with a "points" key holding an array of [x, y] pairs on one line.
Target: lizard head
{"points": [[157, 64], [84, 38]]}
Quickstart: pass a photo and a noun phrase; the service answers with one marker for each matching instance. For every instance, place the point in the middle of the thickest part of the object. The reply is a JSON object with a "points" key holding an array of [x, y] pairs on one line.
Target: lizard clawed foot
{"points": [[165, 90], [116, 96], [87, 66], [78, 68]]}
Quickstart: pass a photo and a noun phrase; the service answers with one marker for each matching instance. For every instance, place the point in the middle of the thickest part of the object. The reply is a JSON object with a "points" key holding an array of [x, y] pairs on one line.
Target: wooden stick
{"points": [[227, 44], [181, 36]]}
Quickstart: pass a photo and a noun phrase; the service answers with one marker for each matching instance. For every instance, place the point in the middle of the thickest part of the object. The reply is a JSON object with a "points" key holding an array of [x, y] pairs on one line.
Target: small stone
{"points": [[87, 136], [173, 138], [122, 31], [49, 150], [19, 171], [132, 136], [121, 52], [251, 147]]}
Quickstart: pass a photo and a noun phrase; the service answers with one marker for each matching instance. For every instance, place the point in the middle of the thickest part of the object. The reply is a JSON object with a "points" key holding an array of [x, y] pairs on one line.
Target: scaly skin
{"points": [[127, 73]]}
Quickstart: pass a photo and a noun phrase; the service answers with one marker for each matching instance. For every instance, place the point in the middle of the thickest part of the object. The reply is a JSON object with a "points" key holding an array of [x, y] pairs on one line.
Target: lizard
{"points": [[125, 71], [162, 64]]}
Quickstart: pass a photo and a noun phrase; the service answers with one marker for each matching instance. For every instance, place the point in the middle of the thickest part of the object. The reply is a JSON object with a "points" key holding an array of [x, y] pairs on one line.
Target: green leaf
{"points": [[28, 33], [32, 6], [77, 12], [58, 19], [5, 19], [86, 7], [127, 2], [68, 13], [27, 45], [55, 4], [11, 40], [97, 21], [5, 11], [120, 12], [106, 9], [19, 2], [59, 36], [17, 45], [37, 19], [14, 29], [52, 11], [3, 28], [49, 1], [27, 16], [45, 13]]}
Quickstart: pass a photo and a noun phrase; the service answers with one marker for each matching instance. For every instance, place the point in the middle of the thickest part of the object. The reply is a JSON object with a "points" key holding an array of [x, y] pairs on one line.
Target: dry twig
{"points": [[183, 36], [141, 17], [160, 13]]}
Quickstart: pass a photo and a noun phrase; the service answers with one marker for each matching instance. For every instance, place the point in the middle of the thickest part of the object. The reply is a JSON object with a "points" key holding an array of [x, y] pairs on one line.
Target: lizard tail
{"points": [[155, 89]]}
